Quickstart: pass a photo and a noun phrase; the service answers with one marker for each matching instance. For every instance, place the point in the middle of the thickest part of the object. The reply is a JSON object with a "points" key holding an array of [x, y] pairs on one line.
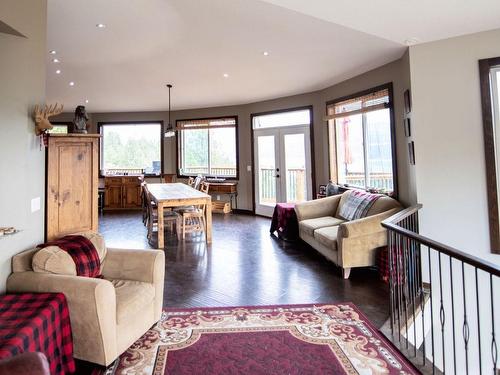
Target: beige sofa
{"points": [[348, 244], [107, 315]]}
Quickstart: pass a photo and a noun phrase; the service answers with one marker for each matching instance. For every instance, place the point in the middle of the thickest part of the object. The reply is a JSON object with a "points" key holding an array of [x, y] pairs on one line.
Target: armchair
{"points": [[107, 315]]}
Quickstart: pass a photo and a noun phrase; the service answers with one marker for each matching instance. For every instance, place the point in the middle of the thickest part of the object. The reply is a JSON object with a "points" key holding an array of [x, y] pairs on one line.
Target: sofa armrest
{"points": [[366, 225], [317, 208], [140, 265], [92, 307]]}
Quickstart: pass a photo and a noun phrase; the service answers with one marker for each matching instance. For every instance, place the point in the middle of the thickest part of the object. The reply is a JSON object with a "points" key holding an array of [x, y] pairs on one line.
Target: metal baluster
{"points": [[478, 323], [398, 283], [453, 316], [432, 309], [422, 305], [414, 297], [441, 313], [391, 276], [405, 285], [494, 352], [465, 327]]}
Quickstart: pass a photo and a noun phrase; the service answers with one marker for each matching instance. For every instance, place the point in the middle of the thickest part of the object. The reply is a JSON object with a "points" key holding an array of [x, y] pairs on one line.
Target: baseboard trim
{"points": [[243, 212]]}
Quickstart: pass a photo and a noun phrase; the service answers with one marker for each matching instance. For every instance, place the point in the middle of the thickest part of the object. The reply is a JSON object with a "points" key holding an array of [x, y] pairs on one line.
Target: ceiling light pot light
{"points": [[58, 71], [86, 101], [225, 75], [72, 83], [100, 26], [265, 53], [52, 52], [55, 61], [170, 131]]}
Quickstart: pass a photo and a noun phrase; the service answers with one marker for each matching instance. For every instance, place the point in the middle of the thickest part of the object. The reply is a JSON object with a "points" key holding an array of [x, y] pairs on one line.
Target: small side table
{"points": [[284, 222]]}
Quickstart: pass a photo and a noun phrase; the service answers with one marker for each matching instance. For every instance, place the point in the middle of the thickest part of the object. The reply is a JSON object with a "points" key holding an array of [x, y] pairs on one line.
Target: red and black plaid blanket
{"points": [[82, 251], [284, 222], [37, 322]]}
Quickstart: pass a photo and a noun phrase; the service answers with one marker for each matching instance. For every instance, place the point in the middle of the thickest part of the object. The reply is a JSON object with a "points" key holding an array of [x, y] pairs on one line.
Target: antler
{"points": [[52, 110]]}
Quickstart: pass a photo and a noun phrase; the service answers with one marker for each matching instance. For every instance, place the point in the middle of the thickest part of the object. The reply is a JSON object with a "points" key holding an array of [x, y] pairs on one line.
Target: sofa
{"points": [[347, 243], [107, 314]]}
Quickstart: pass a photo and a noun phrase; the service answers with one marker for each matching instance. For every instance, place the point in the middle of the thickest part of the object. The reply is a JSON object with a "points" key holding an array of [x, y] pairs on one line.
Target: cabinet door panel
{"points": [[131, 196], [113, 197]]}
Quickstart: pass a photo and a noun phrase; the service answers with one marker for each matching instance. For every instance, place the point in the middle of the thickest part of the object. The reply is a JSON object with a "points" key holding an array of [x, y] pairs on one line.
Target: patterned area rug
{"points": [[297, 339]]}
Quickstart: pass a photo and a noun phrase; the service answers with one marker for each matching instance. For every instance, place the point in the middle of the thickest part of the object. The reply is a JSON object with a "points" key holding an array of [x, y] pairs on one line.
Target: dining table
{"points": [[171, 195]]}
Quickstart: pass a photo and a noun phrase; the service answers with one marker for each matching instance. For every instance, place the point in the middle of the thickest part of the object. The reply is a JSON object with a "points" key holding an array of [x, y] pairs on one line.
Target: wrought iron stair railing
{"points": [[444, 303]]}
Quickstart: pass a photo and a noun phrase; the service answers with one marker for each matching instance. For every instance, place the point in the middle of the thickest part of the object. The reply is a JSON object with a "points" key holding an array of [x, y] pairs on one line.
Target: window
{"points": [[361, 141], [288, 118], [208, 147], [58, 128], [489, 76], [131, 147]]}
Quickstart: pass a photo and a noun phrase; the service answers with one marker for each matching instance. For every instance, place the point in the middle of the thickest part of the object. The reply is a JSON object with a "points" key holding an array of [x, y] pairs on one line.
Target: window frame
{"points": [[100, 125], [178, 148], [485, 67], [333, 173]]}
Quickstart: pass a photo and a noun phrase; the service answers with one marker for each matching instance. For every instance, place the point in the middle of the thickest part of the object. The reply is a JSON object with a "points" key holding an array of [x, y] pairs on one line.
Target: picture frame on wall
{"points": [[407, 126], [411, 152], [407, 99]]}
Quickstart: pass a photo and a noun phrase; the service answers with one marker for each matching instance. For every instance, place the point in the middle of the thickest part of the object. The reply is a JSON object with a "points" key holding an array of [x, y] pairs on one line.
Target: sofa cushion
{"points": [[327, 236], [131, 298], [310, 225], [53, 259]]}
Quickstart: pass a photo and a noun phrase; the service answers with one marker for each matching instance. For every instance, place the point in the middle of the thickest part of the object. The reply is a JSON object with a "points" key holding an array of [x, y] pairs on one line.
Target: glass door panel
{"points": [[266, 171], [295, 167]]}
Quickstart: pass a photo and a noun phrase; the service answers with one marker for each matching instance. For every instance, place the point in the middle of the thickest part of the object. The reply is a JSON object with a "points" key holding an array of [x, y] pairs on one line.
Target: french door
{"points": [[282, 158]]}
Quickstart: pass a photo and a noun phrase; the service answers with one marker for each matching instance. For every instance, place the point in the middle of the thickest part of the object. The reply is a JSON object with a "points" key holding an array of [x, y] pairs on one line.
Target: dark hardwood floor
{"points": [[246, 266]]}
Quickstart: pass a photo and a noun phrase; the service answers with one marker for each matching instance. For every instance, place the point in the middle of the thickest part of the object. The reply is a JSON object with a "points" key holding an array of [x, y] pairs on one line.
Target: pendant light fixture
{"points": [[169, 132]]}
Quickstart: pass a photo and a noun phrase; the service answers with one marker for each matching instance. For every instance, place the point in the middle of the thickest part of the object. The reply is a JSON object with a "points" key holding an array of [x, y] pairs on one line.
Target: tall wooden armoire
{"points": [[72, 184]]}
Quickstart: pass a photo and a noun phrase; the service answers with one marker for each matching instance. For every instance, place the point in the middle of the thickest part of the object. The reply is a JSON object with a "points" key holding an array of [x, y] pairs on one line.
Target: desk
{"points": [[178, 195], [229, 188]]}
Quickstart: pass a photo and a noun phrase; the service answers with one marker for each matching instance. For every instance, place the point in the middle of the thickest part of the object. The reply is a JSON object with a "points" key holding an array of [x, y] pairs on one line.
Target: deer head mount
{"points": [[42, 123]]}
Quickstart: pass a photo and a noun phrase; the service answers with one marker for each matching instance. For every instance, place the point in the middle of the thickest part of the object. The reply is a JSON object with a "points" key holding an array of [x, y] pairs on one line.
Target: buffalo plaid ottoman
{"points": [[37, 322]]}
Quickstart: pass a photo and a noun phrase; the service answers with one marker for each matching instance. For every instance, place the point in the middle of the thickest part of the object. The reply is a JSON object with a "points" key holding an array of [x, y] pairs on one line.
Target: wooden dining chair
{"points": [[190, 181], [193, 218], [168, 178], [171, 218]]}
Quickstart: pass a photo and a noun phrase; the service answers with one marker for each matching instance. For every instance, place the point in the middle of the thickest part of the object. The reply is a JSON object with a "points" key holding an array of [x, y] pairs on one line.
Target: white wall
{"points": [[447, 121], [22, 164]]}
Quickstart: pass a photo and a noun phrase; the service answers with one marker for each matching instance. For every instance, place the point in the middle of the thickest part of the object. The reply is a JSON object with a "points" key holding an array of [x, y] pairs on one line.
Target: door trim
{"points": [[311, 140]]}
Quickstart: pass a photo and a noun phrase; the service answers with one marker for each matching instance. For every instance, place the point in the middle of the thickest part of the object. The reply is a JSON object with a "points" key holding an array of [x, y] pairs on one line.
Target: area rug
{"points": [[296, 339]]}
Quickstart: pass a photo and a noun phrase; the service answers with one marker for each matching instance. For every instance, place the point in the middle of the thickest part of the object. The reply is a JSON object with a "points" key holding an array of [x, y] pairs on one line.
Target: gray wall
{"points": [[22, 77], [397, 72], [450, 162]]}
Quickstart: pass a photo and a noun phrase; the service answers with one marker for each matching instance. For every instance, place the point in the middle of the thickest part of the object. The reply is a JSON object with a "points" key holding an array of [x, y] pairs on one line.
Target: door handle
{"points": [[277, 176]]}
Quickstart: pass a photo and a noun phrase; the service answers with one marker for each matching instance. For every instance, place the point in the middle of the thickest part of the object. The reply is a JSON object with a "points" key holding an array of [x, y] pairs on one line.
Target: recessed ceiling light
{"points": [[58, 71], [52, 52], [265, 53], [86, 101], [100, 26], [225, 75], [72, 83], [55, 60]]}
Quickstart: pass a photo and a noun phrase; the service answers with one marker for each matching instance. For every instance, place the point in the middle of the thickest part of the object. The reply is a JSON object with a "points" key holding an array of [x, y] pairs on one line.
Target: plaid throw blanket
{"points": [[37, 322], [357, 205], [83, 253]]}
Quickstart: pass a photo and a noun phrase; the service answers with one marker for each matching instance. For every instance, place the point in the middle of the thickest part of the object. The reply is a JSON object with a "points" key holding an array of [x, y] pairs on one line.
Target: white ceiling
{"points": [[192, 43]]}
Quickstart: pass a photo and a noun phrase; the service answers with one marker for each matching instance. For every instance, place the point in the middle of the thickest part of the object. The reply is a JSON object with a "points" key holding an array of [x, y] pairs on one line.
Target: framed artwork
{"points": [[407, 101], [411, 152], [407, 125], [322, 190]]}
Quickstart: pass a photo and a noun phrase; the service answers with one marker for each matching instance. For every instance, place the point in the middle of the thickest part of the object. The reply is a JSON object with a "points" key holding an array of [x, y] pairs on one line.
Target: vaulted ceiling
{"points": [[192, 44]]}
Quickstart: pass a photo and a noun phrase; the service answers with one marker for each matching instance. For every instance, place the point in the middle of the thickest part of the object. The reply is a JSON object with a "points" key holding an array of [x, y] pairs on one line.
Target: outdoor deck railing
{"points": [[377, 180], [295, 184], [444, 303]]}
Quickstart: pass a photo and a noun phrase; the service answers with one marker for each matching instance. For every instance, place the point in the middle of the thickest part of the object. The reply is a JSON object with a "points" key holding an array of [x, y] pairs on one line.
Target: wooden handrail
{"points": [[392, 224]]}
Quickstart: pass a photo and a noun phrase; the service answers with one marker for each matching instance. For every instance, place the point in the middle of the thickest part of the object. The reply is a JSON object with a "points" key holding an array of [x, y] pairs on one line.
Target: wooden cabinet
{"points": [[72, 184], [122, 192]]}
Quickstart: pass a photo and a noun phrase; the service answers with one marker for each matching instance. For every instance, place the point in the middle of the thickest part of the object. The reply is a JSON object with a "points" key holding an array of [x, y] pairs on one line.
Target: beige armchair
{"points": [[348, 244], [107, 315]]}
